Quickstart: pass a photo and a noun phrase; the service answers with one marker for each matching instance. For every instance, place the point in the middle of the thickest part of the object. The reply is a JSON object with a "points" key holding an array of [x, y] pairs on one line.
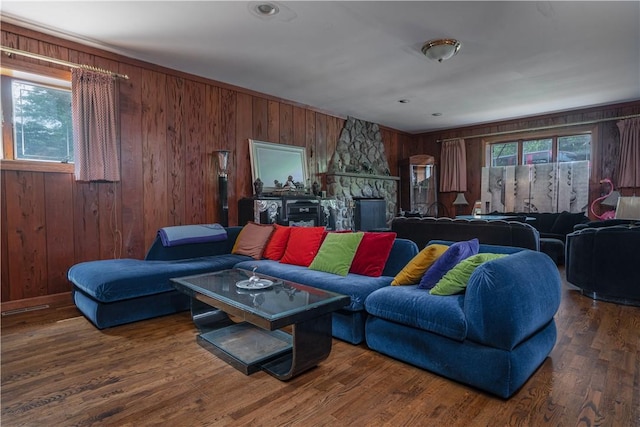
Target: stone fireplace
{"points": [[359, 169]]}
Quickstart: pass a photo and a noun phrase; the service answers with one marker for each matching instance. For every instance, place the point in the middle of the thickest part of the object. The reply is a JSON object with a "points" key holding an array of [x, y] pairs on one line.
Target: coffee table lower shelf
{"points": [[247, 347]]}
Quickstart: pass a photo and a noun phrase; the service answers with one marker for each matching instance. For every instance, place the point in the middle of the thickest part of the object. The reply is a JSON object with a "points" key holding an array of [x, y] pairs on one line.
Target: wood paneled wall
{"points": [[605, 145], [170, 125]]}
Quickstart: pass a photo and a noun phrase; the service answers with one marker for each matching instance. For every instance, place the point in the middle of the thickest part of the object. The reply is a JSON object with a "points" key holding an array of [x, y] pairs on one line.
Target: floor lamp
{"points": [[223, 162]]}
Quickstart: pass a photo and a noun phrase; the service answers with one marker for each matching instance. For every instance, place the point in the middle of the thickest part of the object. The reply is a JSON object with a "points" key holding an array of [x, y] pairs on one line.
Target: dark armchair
{"points": [[604, 262]]}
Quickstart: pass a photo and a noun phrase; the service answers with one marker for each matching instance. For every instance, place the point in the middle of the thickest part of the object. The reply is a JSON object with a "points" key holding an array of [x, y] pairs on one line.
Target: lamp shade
{"points": [[612, 199], [223, 162], [460, 200]]}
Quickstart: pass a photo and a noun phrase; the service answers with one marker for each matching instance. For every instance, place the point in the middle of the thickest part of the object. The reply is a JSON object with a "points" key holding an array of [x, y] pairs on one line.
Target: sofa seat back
{"points": [[496, 232], [194, 250]]}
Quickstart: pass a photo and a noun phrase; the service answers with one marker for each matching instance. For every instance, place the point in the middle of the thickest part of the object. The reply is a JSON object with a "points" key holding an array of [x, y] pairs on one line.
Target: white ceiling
{"points": [[359, 58]]}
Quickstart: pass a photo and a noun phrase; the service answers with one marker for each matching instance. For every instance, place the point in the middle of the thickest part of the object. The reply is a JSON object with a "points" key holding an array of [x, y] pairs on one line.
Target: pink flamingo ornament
{"points": [[608, 214]]}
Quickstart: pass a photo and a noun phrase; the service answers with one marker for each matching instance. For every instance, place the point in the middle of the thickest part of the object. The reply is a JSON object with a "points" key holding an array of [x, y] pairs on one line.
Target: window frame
{"points": [[8, 160], [524, 136]]}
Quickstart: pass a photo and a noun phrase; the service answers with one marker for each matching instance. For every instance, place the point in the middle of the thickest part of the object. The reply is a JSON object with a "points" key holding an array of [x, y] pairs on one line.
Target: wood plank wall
{"points": [[170, 125], [605, 146]]}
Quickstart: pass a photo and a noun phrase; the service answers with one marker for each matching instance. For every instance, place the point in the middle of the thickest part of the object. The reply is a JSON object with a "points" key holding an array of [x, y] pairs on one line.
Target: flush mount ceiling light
{"points": [[441, 49], [266, 9]]}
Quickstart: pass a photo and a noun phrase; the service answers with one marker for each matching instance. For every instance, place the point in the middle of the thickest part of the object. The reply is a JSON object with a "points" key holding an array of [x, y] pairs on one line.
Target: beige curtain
{"points": [[453, 166], [94, 116], [629, 161]]}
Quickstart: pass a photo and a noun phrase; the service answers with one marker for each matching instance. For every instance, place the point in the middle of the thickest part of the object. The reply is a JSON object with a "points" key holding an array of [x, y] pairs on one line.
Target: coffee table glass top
{"points": [[282, 299]]}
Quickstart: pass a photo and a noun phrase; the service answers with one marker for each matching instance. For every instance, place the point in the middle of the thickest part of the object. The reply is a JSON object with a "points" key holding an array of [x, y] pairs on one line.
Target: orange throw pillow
{"points": [[252, 240]]}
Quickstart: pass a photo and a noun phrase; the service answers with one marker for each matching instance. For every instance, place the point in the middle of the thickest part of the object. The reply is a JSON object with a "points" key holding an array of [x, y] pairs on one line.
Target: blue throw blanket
{"points": [[186, 234]]}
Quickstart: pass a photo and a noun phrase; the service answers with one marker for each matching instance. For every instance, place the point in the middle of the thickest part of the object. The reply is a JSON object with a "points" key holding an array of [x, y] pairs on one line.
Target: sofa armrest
{"points": [[158, 252], [511, 298]]}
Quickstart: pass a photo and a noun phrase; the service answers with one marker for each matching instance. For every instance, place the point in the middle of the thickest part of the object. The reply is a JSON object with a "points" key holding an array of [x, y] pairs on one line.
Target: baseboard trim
{"points": [[26, 303]]}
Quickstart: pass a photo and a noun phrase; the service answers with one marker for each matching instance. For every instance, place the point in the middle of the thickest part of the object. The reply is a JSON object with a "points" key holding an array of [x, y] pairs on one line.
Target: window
{"points": [[541, 173], [566, 148], [37, 109]]}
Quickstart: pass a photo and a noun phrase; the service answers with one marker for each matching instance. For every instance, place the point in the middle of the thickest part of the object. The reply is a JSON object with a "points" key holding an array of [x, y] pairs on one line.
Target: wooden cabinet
{"points": [[419, 185]]}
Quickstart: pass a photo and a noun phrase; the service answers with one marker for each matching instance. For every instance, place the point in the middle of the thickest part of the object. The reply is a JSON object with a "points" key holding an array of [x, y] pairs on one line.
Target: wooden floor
{"points": [[58, 370]]}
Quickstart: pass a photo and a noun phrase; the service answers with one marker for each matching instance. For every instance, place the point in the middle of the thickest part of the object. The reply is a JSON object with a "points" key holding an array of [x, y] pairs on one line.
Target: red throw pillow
{"points": [[372, 254], [303, 245], [277, 242]]}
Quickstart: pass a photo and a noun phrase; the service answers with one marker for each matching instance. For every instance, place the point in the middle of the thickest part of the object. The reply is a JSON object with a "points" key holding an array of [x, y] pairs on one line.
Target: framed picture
{"points": [[280, 167]]}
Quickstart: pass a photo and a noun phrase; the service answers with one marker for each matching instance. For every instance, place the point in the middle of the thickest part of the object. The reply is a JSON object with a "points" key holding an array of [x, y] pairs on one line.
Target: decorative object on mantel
{"points": [[359, 168], [257, 187], [315, 188]]}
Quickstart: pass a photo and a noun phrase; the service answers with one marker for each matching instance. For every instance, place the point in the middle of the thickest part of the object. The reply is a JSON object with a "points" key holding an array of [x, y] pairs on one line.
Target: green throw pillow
{"points": [[456, 279], [336, 253]]}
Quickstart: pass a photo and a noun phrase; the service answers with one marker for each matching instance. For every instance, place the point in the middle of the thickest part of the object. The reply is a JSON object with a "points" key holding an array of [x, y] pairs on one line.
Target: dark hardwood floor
{"points": [[58, 370]]}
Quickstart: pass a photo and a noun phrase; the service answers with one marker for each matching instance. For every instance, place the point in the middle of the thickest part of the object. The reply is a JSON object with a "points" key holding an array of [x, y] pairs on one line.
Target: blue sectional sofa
{"points": [[493, 336], [115, 292]]}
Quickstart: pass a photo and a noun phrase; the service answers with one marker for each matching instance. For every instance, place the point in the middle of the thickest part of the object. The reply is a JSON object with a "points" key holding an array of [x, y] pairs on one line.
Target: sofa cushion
{"points": [[303, 245], [414, 307], [336, 253], [456, 279], [372, 253], [356, 286], [277, 243], [414, 270], [252, 240], [452, 256], [121, 279], [494, 232]]}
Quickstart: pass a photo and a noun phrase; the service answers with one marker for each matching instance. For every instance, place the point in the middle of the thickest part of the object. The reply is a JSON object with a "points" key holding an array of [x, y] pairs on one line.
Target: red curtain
{"points": [[453, 169], [94, 116], [629, 161]]}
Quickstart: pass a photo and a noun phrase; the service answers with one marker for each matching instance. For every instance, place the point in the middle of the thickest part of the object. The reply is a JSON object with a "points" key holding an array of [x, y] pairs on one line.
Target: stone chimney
{"points": [[359, 169]]}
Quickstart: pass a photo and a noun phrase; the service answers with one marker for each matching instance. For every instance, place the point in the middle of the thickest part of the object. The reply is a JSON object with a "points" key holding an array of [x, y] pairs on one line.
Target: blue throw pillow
{"points": [[457, 252]]}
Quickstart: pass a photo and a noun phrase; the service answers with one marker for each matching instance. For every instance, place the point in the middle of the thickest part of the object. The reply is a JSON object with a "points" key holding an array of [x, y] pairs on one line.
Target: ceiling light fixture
{"points": [[266, 9], [441, 49]]}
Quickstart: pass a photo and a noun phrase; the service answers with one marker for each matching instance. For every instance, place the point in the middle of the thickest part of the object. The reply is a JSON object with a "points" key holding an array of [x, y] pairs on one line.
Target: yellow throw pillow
{"points": [[414, 270]]}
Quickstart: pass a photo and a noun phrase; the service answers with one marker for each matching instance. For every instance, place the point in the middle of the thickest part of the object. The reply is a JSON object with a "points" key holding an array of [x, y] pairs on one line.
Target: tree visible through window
{"points": [[567, 148], [42, 122]]}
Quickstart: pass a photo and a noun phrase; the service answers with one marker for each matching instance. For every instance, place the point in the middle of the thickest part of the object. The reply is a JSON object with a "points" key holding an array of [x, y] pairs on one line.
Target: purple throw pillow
{"points": [[457, 252]]}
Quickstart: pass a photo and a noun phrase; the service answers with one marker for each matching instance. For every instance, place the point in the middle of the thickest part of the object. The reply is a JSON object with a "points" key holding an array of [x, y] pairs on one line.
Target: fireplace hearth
{"points": [[359, 169]]}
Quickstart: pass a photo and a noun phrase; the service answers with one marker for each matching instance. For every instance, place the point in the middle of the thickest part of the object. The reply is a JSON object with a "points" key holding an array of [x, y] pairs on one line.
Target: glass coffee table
{"points": [[240, 320]]}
